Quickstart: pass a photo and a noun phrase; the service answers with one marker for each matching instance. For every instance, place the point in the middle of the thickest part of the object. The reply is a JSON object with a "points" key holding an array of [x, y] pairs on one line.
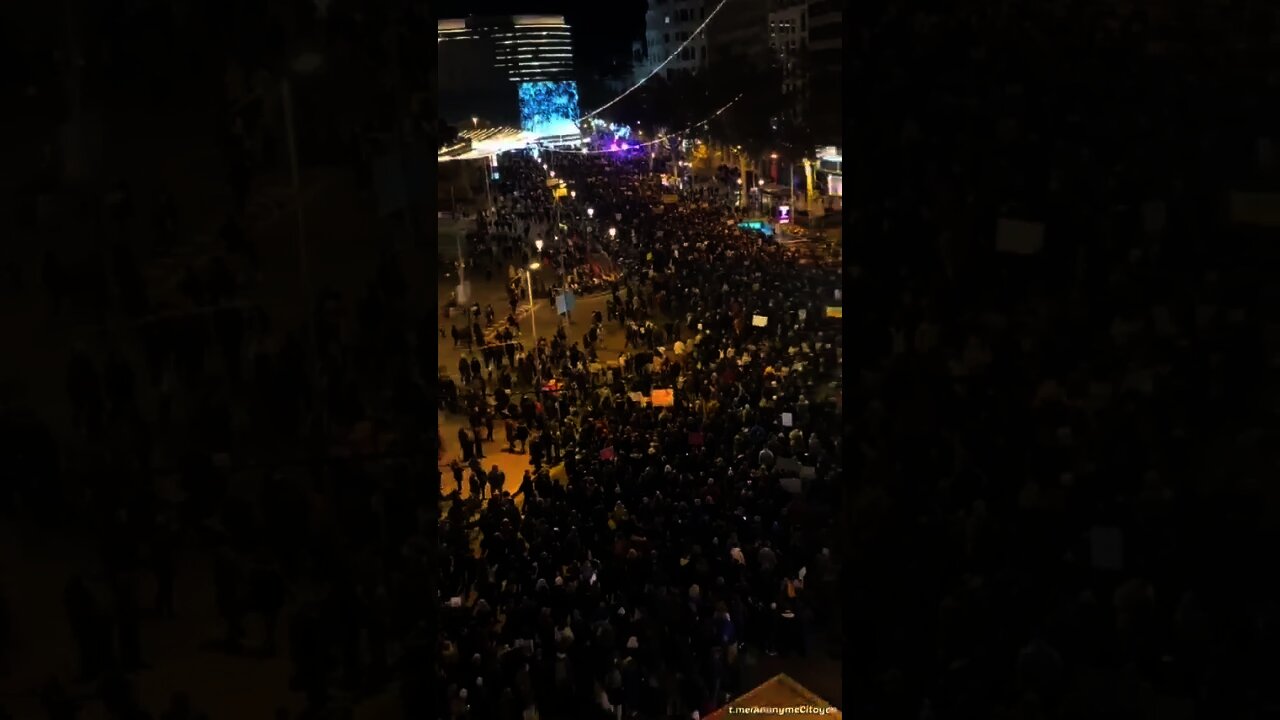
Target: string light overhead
{"points": [[663, 138], [657, 69]]}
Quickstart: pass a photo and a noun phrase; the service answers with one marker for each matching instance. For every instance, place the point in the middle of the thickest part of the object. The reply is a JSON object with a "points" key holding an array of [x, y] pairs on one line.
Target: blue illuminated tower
{"points": [[533, 53]]}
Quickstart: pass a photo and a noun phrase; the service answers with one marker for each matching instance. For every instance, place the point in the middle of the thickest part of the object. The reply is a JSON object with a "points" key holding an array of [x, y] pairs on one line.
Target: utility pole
{"points": [[303, 270], [533, 320], [487, 173], [462, 277]]}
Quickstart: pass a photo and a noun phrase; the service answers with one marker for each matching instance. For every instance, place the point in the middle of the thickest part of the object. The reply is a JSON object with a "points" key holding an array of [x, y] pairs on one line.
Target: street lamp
{"points": [[553, 173], [613, 233], [773, 156], [303, 65], [533, 320], [538, 244], [475, 121], [591, 212], [573, 194]]}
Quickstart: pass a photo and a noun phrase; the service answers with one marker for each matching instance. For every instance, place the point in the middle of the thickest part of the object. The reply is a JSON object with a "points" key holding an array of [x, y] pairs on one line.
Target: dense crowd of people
{"points": [[679, 537]]}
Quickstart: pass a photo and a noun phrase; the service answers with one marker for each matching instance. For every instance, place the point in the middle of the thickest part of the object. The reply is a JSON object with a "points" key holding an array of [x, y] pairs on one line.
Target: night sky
{"points": [[601, 31]]}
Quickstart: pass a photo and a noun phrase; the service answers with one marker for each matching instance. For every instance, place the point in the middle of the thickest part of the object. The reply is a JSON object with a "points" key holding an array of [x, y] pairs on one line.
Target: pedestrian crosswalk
{"points": [[492, 330]]}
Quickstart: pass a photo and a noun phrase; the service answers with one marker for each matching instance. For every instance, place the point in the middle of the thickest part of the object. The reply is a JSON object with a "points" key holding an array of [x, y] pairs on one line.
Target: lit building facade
{"points": [[526, 48], [789, 39], [739, 34], [668, 24], [509, 70], [826, 69]]}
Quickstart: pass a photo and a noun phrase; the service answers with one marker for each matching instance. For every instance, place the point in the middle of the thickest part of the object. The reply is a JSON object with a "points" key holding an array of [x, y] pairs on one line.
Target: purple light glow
{"points": [[614, 146], [625, 146]]}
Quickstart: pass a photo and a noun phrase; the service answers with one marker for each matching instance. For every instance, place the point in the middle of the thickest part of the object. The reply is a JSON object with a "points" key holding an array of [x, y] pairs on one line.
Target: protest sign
{"points": [[1258, 209], [787, 466], [662, 397], [759, 320], [835, 312], [808, 472], [1154, 216], [1106, 548], [786, 419], [1019, 237], [669, 199], [607, 453], [792, 485]]}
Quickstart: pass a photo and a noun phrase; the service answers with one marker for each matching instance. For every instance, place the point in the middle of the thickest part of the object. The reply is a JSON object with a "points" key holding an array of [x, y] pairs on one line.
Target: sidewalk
{"points": [[548, 322]]}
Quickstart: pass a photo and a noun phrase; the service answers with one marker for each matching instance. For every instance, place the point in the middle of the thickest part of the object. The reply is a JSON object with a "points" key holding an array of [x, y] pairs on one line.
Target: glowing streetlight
{"points": [[538, 244], [739, 181], [475, 121], [774, 156], [591, 212], [573, 194], [760, 183], [553, 173], [528, 276], [613, 233]]}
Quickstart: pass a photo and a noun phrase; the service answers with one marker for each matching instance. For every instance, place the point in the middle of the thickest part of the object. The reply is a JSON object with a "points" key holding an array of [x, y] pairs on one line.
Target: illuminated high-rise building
{"points": [[509, 70], [672, 25]]}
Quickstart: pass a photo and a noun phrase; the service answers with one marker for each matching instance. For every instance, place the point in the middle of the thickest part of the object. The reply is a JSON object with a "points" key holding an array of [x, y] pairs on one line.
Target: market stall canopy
{"points": [[477, 144], [779, 692]]}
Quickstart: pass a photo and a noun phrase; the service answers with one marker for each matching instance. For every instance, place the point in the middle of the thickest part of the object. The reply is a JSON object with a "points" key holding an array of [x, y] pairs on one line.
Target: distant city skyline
{"points": [[602, 32]]}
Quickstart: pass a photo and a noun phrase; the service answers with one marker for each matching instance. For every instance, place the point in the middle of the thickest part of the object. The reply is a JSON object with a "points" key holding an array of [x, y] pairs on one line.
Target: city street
{"points": [[493, 292]]}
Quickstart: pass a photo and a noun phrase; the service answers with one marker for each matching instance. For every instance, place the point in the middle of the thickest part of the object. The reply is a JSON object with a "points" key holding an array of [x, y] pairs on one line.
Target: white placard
{"points": [[1258, 209], [759, 320], [1020, 237], [1154, 215], [789, 466], [786, 419], [1106, 548]]}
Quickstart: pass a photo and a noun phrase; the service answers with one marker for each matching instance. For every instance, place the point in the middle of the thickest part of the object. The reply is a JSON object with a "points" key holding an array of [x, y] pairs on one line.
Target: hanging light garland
{"points": [[624, 147], [661, 65]]}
